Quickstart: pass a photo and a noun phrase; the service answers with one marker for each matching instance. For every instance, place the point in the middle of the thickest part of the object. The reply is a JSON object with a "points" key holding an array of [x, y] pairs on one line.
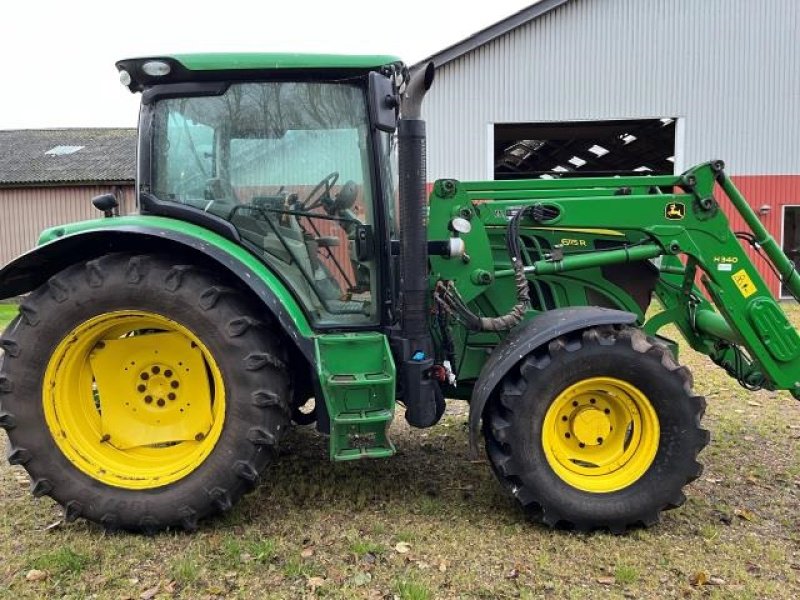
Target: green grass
{"points": [[262, 550], [625, 574], [363, 547], [7, 312], [411, 590], [186, 570], [316, 529], [62, 561]]}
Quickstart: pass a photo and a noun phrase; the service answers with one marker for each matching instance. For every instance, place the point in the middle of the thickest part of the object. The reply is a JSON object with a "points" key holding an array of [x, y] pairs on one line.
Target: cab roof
{"points": [[249, 65]]}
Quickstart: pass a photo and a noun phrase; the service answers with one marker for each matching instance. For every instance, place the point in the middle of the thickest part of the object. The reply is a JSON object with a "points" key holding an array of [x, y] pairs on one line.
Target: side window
{"points": [[320, 175], [190, 149], [288, 164]]}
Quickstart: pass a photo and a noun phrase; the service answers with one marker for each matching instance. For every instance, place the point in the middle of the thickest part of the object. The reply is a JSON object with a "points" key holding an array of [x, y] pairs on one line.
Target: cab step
{"points": [[357, 375]]}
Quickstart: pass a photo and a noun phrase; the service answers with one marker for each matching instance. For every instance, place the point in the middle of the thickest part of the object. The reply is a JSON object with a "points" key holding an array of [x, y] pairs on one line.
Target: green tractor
{"points": [[287, 265]]}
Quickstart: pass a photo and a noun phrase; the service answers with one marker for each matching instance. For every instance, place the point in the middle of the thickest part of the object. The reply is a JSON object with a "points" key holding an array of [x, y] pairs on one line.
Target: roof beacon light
{"points": [[124, 77], [156, 68]]}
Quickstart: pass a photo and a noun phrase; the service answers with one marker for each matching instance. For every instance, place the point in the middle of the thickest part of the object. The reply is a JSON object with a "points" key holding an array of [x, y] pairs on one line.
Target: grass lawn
{"points": [[432, 523]]}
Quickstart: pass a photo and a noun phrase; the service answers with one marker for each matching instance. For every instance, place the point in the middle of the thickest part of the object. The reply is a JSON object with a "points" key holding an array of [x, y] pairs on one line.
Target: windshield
{"points": [[288, 164]]}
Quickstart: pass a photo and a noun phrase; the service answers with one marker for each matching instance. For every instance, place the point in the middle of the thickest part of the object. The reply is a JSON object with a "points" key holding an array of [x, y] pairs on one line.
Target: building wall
{"points": [[25, 212], [729, 70], [775, 191]]}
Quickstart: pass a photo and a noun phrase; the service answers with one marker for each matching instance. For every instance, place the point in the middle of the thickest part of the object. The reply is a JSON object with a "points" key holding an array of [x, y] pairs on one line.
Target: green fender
{"points": [[524, 339], [63, 246]]}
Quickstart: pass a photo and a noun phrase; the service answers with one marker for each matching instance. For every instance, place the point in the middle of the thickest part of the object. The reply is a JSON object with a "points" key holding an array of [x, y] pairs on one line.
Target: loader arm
{"points": [[674, 223]]}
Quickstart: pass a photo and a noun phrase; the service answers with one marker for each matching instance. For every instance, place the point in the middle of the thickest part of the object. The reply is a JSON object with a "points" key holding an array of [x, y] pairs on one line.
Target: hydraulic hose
{"points": [[512, 318]]}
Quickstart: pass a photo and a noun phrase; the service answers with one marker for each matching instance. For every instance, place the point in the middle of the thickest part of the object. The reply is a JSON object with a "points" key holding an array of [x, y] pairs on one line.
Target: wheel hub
{"points": [[590, 426], [151, 390], [159, 385], [600, 434]]}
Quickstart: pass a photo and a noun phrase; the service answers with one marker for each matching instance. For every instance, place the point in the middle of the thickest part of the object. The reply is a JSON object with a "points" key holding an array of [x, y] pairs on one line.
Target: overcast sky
{"points": [[57, 56]]}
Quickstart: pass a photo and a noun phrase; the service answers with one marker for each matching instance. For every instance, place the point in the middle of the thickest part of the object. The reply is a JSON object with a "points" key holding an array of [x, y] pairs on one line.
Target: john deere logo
{"points": [[675, 211]]}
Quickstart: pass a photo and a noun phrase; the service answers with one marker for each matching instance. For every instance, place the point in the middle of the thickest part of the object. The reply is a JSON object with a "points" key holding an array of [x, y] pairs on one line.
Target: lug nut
{"points": [[156, 370], [200, 437], [175, 385], [141, 388], [607, 411], [171, 396], [148, 399], [565, 418], [581, 445], [161, 402], [574, 403], [145, 376], [567, 435], [599, 440], [167, 373]]}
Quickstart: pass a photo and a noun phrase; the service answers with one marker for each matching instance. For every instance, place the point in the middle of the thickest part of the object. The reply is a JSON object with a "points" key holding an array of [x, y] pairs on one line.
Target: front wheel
{"points": [[141, 394], [598, 430]]}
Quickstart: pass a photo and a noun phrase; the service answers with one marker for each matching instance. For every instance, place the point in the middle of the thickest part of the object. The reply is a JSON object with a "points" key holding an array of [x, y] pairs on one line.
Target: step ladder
{"points": [[357, 375]]}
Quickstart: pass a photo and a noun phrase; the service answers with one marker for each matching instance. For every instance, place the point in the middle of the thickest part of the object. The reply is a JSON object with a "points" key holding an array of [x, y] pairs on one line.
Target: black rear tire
{"points": [[515, 433], [236, 332]]}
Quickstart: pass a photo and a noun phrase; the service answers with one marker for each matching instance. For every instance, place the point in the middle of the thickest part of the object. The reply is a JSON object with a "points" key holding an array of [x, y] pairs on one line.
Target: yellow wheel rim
{"points": [[600, 435], [134, 399]]}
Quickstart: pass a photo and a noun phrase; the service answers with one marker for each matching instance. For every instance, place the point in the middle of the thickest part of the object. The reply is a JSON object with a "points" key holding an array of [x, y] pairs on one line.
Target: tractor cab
{"points": [[292, 164]]}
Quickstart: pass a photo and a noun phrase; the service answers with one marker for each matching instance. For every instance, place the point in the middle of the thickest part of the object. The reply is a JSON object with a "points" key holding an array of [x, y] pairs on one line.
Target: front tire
{"points": [[599, 430], [141, 394]]}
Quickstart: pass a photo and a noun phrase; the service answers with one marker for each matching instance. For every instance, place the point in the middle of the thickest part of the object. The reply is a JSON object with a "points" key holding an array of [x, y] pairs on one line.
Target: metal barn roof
{"points": [[492, 32], [48, 156]]}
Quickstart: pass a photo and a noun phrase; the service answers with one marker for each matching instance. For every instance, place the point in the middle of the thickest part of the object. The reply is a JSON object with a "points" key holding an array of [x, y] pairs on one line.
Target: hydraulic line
{"points": [[473, 322]]}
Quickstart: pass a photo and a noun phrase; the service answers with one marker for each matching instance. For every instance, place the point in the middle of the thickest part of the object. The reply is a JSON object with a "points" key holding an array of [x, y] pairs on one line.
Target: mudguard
{"points": [[523, 340], [34, 268]]}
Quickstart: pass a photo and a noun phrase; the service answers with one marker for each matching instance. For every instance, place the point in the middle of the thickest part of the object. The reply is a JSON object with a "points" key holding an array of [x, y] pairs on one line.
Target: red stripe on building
{"points": [[772, 192]]}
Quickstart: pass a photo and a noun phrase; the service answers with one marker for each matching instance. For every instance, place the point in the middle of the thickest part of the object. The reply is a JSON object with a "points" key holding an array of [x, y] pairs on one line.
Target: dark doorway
{"points": [[584, 148], [791, 240]]}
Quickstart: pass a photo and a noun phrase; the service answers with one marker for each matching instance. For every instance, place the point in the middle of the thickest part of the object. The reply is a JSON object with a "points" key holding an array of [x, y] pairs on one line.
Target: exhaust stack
{"points": [[421, 395]]}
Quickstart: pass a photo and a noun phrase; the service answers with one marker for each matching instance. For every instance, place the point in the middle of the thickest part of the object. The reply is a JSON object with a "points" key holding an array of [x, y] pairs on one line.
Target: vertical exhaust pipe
{"points": [[412, 159], [422, 396]]}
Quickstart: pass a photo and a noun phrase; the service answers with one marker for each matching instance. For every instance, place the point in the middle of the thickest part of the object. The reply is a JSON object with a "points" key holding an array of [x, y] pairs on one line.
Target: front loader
{"points": [[285, 267]]}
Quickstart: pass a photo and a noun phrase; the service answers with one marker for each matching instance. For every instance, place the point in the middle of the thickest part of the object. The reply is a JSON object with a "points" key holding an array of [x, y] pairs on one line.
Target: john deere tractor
{"points": [[287, 265]]}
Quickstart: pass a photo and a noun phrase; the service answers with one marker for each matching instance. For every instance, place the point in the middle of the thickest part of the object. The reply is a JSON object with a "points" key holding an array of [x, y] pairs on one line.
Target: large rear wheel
{"points": [[140, 394], [598, 430]]}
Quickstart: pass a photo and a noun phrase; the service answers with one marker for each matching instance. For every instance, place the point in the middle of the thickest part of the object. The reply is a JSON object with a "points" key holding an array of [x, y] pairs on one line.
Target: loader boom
{"points": [[675, 223]]}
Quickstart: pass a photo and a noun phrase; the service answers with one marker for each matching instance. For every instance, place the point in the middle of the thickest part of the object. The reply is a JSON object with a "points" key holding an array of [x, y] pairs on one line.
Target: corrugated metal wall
{"points": [[25, 212], [729, 68]]}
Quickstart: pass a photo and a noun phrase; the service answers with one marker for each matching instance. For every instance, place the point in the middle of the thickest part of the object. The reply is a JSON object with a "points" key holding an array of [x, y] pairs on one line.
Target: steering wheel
{"points": [[327, 183]]}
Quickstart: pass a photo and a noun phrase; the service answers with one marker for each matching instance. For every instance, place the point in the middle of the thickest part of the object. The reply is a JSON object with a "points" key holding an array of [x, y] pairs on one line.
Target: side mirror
{"points": [[384, 103], [107, 203]]}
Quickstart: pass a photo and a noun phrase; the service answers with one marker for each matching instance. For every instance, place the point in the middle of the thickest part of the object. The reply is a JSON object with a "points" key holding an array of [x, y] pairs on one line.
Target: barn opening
{"points": [[791, 240], [584, 148]]}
